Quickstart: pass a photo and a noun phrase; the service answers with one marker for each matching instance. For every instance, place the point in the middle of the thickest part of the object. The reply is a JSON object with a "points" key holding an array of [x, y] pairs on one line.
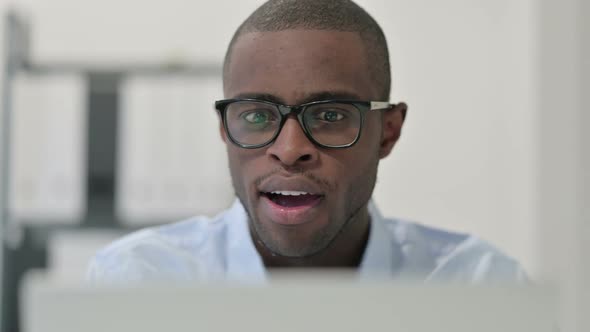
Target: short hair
{"points": [[337, 15]]}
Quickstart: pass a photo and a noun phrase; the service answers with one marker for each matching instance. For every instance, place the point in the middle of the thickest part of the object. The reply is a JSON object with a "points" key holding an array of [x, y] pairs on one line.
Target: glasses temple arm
{"points": [[380, 105]]}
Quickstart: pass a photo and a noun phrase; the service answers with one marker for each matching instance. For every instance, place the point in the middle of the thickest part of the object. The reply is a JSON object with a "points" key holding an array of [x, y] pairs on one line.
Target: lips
{"points": [[290, 201]]}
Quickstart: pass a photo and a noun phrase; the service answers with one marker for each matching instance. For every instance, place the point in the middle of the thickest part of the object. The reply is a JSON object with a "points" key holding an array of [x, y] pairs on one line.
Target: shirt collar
{"points": [[244, 264], [381, 258]]}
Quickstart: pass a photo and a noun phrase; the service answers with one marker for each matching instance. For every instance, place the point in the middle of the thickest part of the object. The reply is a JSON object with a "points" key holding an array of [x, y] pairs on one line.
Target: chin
{"points": [[299, 241]]}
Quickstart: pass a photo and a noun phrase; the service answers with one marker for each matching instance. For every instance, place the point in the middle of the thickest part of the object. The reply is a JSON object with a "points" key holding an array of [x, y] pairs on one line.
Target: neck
{"points": [[346, 250]]}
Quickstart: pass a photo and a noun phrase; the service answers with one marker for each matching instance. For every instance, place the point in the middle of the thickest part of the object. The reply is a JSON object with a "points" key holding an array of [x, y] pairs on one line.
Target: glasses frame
{"points": [[299, 110]]}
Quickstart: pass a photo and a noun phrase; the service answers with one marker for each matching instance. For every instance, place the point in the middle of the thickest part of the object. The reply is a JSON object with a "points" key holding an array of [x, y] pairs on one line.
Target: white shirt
{"points": [[221, 249]]}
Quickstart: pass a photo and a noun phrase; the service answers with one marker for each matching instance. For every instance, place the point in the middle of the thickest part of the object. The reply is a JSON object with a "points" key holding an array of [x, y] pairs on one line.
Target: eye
{"points": [[257, 116], [330, 116]]}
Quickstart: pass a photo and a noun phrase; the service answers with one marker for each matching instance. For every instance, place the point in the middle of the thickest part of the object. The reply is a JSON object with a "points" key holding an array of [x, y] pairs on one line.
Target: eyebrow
{"points": [[316, 96], [260, 96]]}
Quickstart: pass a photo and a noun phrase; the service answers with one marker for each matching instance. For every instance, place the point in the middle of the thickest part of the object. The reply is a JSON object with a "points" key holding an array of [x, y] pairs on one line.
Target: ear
{"points": [[392, 122]]}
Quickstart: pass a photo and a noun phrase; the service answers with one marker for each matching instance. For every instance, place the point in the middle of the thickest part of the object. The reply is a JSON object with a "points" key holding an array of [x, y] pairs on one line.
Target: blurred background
{"points": [[108, 126]]}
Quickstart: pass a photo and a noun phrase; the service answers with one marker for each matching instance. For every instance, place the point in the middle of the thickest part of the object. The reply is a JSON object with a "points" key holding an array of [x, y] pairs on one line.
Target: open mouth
{"points": [[292, 199]]}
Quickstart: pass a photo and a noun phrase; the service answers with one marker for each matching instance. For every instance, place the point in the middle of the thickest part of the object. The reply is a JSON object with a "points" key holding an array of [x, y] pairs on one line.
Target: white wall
{"points": [[466, 68], [564, 154], [584, 234], [466, 158], [2, 5]]}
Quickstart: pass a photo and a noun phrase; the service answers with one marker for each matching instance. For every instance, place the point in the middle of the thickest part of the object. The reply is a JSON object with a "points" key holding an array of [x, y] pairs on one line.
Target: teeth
{"points": [[290, 193]]}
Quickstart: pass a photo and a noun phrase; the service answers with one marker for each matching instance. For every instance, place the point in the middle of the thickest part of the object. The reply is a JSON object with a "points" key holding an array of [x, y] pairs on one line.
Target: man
{"points": [[304, 173]]}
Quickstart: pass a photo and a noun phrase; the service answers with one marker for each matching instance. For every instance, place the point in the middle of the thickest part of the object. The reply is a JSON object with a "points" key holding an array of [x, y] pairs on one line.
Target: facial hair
{"points": [[355, 200]]}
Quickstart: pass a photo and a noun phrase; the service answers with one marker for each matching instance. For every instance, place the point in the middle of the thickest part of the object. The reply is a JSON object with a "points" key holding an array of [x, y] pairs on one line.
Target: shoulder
{"points": [[173, 251], [453, 256]]}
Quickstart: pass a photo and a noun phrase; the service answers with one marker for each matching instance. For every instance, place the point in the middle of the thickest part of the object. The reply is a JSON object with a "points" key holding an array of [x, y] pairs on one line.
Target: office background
{"points": [[113, 127]]}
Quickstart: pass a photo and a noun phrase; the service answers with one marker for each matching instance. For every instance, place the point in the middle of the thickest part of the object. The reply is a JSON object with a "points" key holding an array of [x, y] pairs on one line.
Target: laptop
{"points": [[311, 303]]}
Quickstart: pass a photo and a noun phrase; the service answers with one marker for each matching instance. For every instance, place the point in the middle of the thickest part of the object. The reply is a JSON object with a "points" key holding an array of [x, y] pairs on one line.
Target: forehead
{"points": [[292, 64]]}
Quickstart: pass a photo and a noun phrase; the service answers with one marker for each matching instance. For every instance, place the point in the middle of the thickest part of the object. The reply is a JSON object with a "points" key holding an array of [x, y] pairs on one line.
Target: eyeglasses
{"points": [[253, 123]]}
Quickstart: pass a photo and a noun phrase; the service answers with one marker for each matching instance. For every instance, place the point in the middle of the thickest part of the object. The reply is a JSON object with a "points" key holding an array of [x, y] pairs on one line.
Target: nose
{"points": [[292, 147]]}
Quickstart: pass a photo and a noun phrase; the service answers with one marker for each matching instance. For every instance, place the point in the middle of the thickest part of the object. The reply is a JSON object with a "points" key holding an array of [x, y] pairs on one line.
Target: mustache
{"points": [[323, 183]]}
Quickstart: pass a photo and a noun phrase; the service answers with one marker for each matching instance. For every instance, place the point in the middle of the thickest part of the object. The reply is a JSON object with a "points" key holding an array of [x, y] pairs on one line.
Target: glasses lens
{"points": [[252, 123], [333, 124]]}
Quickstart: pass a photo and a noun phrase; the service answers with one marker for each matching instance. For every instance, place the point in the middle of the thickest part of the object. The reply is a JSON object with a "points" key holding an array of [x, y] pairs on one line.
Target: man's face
{"points": [[294, 67]]}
